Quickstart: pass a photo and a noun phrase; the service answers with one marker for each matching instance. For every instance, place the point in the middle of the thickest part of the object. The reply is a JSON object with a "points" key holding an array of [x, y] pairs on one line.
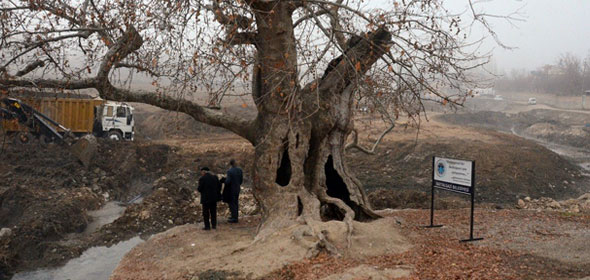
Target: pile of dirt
{"points": [[483, 119], [164, 124], [552, 132], [48, 187], [187, 252], [575, 205], [169, 205]]}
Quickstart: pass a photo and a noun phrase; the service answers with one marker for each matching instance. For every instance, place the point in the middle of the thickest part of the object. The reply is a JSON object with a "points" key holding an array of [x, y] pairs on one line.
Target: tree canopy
{"points": [[193, 47], [303, 65]]}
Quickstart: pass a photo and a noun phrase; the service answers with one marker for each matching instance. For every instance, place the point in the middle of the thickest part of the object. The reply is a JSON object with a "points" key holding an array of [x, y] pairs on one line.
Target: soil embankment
{"points": [[46, 195]]}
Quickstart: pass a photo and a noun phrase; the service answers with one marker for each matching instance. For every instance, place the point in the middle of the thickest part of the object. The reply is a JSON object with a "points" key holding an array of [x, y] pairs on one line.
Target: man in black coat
{"points": [[210, 189], [233, 181]]}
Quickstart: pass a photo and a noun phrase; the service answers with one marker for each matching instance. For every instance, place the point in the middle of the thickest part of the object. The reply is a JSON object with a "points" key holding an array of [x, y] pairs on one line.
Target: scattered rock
{"points": [[555, 205], [577, 205], [85, 149], [521, 203], [5, 232]]}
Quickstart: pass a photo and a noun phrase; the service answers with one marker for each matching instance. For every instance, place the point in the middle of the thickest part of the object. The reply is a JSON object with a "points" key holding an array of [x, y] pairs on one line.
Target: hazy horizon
{"points": [[550, 28]]}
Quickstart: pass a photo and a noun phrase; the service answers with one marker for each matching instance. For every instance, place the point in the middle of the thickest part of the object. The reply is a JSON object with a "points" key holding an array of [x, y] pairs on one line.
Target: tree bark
{"points": [[300, 174]]}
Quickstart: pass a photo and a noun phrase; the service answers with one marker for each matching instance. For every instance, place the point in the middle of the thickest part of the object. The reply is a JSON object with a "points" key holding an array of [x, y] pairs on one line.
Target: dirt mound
{"points": [[484, 119], [187, 252], [37, 221], [564, 117], [164, 124], [168, 206], [551, 132]]}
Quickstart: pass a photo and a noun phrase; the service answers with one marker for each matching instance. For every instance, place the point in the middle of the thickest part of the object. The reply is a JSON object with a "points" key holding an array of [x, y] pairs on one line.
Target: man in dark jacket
{"points": [[209, 188], [233, 181]]}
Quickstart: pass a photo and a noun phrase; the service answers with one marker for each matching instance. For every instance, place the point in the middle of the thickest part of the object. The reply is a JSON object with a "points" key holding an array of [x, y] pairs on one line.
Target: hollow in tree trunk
{"points": [[300, 174]]}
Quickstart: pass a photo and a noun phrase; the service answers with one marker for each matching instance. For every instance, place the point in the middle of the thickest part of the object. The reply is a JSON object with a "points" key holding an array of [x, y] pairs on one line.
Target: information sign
{"points": [[453, 175]]}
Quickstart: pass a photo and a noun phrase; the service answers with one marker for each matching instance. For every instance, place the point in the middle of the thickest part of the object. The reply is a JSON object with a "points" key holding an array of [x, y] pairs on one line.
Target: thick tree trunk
{"points": [[300, 174]]}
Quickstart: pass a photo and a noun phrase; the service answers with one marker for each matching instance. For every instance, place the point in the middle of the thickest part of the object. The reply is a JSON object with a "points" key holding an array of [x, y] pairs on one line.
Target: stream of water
{"points": [[96, 263]]}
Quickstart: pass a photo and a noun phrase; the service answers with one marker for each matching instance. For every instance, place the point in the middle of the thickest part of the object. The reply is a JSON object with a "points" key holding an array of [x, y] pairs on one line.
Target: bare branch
{"points": [[361, 54], [32, 66], [309, 16], [355, 144], [240, 126], [14, 8], [137, 67], [129, 42], [241, 38], [49, 83], [336, 26], [46, 41]]}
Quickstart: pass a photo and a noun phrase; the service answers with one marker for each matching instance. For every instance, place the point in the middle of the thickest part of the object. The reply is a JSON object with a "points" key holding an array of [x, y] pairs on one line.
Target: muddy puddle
{"points": [[96, 263]]}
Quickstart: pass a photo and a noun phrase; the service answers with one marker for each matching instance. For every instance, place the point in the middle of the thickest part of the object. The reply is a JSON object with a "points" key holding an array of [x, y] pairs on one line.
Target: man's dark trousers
{"points": [[233, 207], [210, 209]]}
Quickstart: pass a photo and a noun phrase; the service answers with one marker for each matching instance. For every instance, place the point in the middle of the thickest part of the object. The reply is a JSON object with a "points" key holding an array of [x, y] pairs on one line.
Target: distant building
{"points": [[552, 70]]}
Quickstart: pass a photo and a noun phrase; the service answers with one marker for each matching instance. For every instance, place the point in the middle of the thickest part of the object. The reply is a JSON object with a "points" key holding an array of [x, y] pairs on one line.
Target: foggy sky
{"points": [[551, 28]]}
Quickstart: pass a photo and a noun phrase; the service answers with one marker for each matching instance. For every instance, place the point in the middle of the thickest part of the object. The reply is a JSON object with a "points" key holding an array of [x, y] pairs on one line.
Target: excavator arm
{"points": [[26, 115]]}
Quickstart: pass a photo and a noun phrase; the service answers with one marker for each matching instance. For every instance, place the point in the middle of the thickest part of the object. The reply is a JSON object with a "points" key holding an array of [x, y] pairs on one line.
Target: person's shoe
{"points": [[215, 227], [232, 221], [206, 228]]}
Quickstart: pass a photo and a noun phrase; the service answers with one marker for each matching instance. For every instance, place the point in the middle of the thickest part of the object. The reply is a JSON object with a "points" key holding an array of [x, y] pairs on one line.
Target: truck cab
{"points": [[115, 121]]}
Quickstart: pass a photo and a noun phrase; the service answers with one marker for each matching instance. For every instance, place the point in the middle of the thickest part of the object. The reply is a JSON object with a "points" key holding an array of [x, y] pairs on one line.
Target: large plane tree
{"points": [[304, 63]]}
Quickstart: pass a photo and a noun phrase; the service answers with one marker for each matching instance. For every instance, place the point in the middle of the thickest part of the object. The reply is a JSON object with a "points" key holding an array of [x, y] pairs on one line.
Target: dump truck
{"points": [[50, 119]]}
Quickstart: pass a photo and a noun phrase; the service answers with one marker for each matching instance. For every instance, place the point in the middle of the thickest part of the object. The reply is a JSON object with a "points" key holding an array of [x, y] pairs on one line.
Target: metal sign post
{"points": [[456, 176], [585, 96], [432, 225]]}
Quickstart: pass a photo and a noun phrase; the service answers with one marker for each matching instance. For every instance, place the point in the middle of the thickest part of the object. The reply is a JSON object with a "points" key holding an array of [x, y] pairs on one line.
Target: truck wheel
{"points": [[115, 135]]}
